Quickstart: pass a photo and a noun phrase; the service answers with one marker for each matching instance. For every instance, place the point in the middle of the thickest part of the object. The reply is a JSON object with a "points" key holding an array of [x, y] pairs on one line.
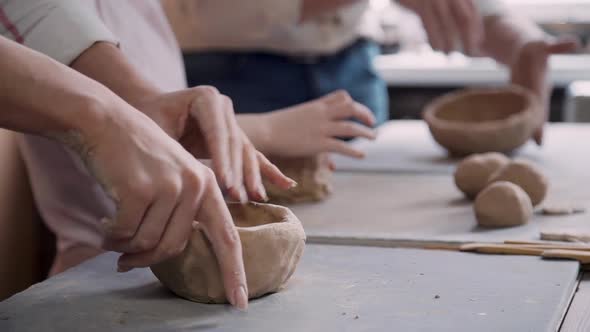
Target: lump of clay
{"points": [[527, 176], [473, 173], [272, 244], [312, 174], [502, 204], [483, 120]]}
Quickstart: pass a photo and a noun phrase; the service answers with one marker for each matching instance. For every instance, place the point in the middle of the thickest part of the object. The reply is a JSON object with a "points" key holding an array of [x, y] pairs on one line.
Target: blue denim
{"points": [[261, 82]]}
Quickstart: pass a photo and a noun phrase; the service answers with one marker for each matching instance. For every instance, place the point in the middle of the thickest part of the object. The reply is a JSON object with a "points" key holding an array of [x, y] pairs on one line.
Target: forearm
{"points": [[314, 8], [40, 96], [257, 128], [106, 64], [506, 34]]}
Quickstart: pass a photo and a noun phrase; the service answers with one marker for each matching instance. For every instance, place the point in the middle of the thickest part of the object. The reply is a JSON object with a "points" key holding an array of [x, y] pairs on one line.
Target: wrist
{"points": [[258, 128]]}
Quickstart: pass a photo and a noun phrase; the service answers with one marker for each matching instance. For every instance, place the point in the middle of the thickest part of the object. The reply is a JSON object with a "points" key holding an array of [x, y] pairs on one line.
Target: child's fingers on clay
{"points": [[221, 232], [349, 129], [338, 146], [337, 97], [353, 110], [273, 174]]}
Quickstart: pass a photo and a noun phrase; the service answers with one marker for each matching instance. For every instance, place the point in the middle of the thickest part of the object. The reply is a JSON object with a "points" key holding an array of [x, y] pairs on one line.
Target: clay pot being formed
{"points": [[484, 120], [272, 239], [312, 174]]}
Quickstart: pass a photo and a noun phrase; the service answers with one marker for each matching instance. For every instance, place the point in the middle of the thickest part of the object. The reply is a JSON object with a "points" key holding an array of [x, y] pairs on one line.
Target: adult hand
{"points": [[449, 21], [203, 121], [160, 189], [530, 70], [315, 126]]}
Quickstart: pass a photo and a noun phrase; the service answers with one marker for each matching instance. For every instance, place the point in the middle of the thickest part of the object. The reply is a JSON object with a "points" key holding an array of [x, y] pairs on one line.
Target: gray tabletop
{"points": [[336, 288], [406, 146]]}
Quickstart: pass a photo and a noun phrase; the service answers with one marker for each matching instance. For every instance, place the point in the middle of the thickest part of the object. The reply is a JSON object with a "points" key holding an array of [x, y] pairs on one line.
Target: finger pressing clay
{"points": [[503, 204], [272, 244], [474, 172], [527, 176], [312, 174]]}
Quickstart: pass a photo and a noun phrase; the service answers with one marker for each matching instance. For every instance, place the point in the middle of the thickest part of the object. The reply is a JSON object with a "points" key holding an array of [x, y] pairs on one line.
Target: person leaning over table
{"points": [[123, 149], [271, 54], [147, 71]]}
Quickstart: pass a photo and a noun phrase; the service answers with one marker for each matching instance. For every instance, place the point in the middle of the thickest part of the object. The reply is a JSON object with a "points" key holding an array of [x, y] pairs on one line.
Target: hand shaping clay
{"points": [[483, 120], [272, 244], [313, 177], [473, 173], [502, 204], [527, 176]]}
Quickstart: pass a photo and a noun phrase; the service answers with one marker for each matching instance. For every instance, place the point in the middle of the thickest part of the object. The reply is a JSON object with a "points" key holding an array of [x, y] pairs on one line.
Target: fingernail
{"points": [[243, 196], [123, 269], [292, 184], [240, 299], [262, 193], [228, 179]]}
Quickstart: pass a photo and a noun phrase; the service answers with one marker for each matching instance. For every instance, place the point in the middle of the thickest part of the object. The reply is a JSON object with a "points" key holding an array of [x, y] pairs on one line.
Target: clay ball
{"points": [[272, 244], [503, 204], [312, 174], [527, 176], [473, 173]]}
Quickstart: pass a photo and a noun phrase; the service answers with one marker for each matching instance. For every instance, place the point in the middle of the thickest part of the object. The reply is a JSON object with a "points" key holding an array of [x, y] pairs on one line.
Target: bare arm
{"points": [[40, 96], [152, 179]]}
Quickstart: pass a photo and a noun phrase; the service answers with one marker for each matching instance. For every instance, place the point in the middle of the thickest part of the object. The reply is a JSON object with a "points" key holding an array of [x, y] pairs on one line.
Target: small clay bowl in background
{"points": [[272, 244], [484, 120]]}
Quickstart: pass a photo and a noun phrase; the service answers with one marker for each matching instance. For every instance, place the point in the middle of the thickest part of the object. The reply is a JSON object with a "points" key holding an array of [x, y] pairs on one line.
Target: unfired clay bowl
{"points": [[272, 244], [313, 177], [484, 120]]}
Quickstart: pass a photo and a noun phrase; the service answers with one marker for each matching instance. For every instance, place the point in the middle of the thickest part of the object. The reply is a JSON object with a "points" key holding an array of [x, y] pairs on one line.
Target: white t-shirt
{"points": [[274, 25]]}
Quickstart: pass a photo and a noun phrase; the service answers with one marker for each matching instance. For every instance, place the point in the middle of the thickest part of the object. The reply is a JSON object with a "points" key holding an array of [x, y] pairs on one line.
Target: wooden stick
{"points": [[503, 249], [580, 256], [550, 245], [565, 236]]}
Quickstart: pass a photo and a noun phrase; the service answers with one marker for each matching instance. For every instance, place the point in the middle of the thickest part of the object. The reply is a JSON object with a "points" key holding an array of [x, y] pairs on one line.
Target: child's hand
{"points": [[531, 68], [316, 126]]}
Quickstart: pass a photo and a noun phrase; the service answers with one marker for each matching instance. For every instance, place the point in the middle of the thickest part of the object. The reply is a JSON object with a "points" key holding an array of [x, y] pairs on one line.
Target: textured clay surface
{"points": [[272, 239], [473, 173], [313, 177], [502, 204], [483, 120], [527, 176]]}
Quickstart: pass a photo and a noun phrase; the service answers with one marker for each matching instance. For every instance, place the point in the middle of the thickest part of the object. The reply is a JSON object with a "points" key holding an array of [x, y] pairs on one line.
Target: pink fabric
{"points": [[70, 201]]}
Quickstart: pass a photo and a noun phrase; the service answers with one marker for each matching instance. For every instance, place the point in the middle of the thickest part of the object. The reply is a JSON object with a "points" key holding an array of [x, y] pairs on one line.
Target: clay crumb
{"points": [[4, 318], [343, 314], [436, 297], [356, 317]]}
